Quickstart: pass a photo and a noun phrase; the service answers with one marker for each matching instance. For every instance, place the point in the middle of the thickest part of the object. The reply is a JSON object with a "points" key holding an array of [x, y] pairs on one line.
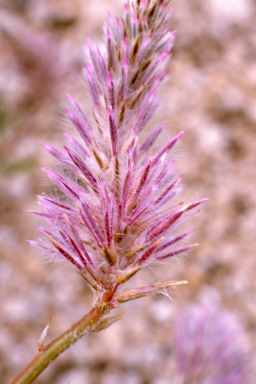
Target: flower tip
{"points": [[89, 43], [46, 146], [49, 172], [108, 32], [31, 242], [72, 101]]}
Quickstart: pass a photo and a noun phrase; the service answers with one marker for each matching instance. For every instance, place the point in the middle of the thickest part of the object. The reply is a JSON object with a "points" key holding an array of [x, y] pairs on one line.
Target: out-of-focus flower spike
{"points": [[83, 168], [80, 128], [229, 358], [152, 138]]}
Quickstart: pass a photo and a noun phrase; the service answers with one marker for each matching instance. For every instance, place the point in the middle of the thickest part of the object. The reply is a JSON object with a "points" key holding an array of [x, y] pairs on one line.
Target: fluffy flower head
{"points": [[116, 217]]}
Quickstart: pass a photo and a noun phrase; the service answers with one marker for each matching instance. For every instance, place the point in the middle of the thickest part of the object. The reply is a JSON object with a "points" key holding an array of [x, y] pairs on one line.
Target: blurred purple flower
{"points": [[41, 62], [116, 216], [210, 347]]}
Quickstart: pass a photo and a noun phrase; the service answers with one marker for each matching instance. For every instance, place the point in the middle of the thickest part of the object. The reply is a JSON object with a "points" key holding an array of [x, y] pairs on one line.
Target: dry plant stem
{"points": [[51, 351]]}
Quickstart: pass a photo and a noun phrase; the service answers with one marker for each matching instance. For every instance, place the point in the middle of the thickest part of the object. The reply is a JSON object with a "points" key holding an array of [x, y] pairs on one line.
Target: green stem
{"points": [[51, 351]]}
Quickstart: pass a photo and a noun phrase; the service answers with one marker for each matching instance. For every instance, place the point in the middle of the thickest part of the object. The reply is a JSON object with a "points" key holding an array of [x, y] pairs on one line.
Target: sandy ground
{"points": [[211, 95]]}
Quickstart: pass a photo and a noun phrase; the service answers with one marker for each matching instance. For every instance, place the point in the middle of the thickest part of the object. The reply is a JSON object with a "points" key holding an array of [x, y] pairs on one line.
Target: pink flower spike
{"points": [[117, 183]]}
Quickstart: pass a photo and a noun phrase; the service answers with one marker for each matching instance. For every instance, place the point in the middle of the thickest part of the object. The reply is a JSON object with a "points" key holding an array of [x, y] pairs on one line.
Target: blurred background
{"points": [[211, 95]]}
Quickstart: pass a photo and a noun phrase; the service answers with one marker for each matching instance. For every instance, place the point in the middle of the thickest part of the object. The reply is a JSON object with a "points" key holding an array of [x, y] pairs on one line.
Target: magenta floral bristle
{"points": [[117, 216], [117, 209]]}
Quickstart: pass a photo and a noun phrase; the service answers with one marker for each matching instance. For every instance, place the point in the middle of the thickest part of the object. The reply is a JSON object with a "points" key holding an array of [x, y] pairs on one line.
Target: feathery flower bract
{"points": [[116, 217]]}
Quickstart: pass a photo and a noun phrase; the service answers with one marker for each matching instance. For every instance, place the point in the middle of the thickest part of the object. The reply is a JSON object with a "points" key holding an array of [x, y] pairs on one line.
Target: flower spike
{"points": [[118, 216]]}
